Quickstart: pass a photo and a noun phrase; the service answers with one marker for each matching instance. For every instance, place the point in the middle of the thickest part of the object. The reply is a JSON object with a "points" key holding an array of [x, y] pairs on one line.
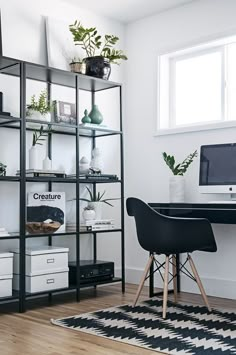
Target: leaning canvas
{"points": [[46, 212]]}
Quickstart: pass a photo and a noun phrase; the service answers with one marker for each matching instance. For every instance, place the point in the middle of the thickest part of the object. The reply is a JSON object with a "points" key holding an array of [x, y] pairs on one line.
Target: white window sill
{"points": [[196, 128]]}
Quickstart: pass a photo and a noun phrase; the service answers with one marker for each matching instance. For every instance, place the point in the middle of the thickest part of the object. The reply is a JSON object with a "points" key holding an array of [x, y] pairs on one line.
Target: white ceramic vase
{"points": [[176, 188], [88, 215], [34, 158], [97, 208], [47, 163]]}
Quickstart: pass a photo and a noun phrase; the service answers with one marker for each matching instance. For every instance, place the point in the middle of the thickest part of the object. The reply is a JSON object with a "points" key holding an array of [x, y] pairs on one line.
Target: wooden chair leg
{"points": [[199, 282], [150, 260], [174, 272], [165, 291]]}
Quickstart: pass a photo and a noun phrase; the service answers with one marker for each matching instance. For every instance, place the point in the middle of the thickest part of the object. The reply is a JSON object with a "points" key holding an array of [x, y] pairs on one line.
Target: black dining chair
{"points": [[159, 234]]}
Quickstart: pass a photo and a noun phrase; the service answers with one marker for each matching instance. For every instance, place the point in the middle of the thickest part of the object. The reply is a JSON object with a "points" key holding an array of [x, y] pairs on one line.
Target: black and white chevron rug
{"points": [[187, 329]]}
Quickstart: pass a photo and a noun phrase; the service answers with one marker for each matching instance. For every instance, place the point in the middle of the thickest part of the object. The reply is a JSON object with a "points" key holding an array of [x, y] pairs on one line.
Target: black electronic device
{"points": [[91, 271]]}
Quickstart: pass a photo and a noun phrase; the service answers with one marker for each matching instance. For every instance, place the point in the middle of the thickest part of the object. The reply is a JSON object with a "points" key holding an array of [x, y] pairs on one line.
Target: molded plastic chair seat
{"points": [[159, 234]]}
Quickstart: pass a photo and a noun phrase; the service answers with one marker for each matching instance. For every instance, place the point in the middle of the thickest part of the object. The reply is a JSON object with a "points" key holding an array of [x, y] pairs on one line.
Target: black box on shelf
{"points": [[91, 271]]}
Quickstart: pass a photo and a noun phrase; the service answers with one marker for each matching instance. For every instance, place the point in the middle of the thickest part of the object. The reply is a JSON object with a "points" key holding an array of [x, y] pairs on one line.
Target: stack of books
{"points": [[4, 233], [92, 225], [97, 225], [40, 172]]}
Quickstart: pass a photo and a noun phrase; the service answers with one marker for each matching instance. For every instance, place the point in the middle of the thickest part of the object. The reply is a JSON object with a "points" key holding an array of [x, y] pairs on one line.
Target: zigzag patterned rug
{"points": [[187, 329]]}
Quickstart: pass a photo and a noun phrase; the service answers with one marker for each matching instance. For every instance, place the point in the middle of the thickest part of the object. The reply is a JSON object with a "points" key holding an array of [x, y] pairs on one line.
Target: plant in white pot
{"points": [[89, 213], [40, 109], [96, 201], [177, 182], [38, 137]]}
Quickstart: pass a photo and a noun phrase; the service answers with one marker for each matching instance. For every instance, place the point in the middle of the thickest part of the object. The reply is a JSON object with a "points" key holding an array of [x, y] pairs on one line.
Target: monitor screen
{"points": [[218, 164]]}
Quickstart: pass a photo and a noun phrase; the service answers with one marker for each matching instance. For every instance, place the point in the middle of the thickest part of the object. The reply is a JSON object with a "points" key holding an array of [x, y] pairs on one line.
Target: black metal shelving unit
{"points": [[24, 70]]}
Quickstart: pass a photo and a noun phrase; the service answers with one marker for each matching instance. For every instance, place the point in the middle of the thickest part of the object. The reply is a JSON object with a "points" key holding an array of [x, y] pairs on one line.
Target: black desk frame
{"points": [[221, 213]]}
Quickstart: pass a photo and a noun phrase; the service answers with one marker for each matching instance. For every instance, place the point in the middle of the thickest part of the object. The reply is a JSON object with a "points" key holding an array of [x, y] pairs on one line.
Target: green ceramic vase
{"points": [[86, 118], [95, 115]]}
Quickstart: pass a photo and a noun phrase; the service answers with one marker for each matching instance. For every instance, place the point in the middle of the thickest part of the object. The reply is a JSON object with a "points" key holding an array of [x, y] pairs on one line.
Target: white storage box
{"points": [[46, 282], [6, 286], [6, 264], [42, 260]]}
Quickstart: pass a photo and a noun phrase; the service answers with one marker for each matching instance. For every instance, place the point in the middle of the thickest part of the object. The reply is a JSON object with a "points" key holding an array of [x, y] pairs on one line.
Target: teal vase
{"points": [[86, 118], [95, 115]]}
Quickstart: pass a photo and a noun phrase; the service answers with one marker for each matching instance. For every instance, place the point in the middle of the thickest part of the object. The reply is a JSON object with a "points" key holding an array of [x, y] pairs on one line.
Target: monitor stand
{"points": [[231, 200]]}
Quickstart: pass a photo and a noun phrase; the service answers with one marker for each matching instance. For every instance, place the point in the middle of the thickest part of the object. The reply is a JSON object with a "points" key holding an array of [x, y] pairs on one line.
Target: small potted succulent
{"points": [[96, 201], [89, 213], [77, 65], [176, 183], [100, 53], [40, 109], [2, 169]]}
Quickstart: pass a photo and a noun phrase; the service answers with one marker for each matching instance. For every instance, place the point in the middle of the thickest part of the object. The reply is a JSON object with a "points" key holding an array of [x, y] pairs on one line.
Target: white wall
{"points": [[146, 174], [24, 38]]}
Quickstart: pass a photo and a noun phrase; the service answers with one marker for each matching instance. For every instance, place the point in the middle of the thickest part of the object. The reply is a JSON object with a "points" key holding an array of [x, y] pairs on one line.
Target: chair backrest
{"points": [[169, 235]]}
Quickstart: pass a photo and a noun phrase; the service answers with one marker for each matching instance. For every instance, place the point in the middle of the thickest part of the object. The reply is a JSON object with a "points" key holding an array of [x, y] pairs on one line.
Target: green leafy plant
{"points": [[38, 137], [2, 169], [41, 105], [76, 60], [181, 168], [93, 44], [98, 197]]}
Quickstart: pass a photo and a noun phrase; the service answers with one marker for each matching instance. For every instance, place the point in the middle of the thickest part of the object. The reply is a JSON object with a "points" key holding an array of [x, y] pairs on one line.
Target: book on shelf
{"points": [[84, 228], [95, 176], [40, 172], [4, 232], [93, 222], [93, 125]]}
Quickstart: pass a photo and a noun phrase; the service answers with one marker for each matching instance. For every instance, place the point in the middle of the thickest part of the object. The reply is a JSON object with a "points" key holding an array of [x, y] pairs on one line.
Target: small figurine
{"points": [[96, 162]]}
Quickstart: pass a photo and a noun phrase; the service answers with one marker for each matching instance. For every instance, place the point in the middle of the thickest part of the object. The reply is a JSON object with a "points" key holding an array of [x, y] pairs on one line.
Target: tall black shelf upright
{"points": [[24, 70]]}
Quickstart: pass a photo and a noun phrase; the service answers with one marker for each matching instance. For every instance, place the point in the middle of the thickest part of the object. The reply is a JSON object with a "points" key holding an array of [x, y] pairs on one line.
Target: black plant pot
{"points": [[98, 66]]}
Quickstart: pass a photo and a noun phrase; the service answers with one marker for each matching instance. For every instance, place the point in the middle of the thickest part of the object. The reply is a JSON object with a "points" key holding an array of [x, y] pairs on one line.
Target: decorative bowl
{"points": [[42, 227]]}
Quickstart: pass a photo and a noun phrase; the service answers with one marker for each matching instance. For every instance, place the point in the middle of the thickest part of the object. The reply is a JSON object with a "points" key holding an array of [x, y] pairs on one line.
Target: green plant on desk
{"points": [[181, 168]]}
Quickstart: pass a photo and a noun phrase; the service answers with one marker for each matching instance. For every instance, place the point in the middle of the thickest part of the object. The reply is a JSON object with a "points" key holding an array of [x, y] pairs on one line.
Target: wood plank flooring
{"points": [[32, 334]]}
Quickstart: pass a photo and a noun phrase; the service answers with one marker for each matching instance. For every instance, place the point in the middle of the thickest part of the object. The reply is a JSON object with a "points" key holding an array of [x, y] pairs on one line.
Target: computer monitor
{"points": [[218, 168]]}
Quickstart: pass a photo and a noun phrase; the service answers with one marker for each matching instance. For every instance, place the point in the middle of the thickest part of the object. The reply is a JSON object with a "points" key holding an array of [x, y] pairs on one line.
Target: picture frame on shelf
{"points": [[64, 112]]}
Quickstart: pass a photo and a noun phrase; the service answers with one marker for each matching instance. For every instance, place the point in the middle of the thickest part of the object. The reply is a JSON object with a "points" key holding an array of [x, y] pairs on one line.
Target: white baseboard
{"points": [[213, 286]]}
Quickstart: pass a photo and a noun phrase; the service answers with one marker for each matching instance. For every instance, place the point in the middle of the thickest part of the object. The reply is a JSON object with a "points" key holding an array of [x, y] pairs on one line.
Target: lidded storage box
{"points": [[46, 268], [6, 274]]}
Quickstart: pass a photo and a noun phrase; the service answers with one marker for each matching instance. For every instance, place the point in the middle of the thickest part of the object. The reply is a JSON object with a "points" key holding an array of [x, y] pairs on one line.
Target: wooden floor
{"points": [[32, 334]]}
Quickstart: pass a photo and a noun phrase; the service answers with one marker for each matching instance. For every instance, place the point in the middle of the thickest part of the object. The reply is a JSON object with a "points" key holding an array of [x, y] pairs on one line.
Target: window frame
{"points": [[190, 50]]}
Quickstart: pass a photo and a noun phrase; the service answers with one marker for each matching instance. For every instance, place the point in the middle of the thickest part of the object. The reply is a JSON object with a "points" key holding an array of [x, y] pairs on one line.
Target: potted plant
{"points": [[38, 137], [177, 180], [100, 53], [96, 201], [89, 213], [40, 109], [77, 65], [2, 169]]}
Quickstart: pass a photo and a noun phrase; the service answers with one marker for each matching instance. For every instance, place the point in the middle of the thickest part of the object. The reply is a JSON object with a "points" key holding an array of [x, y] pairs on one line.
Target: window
{"points": [[197, 86]]}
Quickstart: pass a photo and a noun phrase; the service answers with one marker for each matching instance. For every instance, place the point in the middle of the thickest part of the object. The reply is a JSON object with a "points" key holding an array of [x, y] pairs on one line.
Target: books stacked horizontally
{"points": [[40, 173], [91, 225], [4, 232], [97, 225]]}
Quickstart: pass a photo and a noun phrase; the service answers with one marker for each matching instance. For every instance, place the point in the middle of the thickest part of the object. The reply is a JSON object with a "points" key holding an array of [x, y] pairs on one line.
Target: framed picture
{"points": [[64, 112]]}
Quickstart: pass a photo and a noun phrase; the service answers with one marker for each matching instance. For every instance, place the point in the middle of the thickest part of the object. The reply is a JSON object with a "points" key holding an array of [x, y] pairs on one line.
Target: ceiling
{"points": [[128, 10]]}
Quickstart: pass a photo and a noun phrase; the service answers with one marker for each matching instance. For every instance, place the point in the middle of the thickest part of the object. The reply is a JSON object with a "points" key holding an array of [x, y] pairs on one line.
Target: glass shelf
{"points": [[9, 178]]}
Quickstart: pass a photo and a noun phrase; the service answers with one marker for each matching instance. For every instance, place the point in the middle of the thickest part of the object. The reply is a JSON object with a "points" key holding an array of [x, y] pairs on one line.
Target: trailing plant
{"points": [[2, 169], [41, 105], [76, 60], [93, 44], [181, 168], [38, 137], [98, 197]]}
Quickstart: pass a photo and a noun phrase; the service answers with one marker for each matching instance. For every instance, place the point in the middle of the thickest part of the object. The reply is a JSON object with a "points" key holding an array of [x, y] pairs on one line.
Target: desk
{"points": [[223, 213]]}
